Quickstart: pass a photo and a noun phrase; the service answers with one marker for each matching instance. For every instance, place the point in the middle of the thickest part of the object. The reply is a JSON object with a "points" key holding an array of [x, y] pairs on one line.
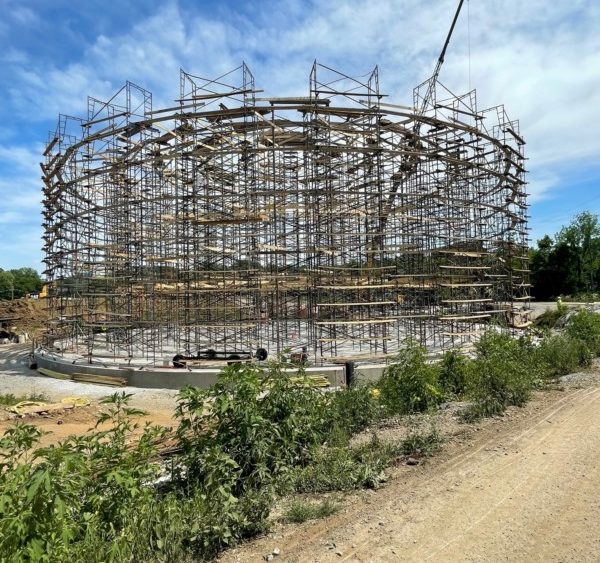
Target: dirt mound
{"points": [[28, 315]]}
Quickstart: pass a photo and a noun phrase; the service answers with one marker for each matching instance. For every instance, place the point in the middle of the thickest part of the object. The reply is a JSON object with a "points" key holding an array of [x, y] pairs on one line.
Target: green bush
{"points": [[503, 373], [80, 490], [410, 384], [253, 435], [453, 373], [244, 434], [560, 354], [585, 326], [355, 408]]}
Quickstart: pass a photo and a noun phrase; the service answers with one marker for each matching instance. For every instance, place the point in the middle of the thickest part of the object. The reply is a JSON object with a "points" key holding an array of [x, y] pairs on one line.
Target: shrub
{"points": [[410, 383], [502, 374], [104, 496], [355, 407], [342, 468], [243, 440], [585, 326], [300, 511], [78, 491], [560, 354], [453, 373]]}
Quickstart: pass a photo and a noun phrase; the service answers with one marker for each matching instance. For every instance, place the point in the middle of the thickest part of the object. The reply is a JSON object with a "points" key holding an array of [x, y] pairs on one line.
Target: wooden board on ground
{"points": [[54, 374], [100, 379]]}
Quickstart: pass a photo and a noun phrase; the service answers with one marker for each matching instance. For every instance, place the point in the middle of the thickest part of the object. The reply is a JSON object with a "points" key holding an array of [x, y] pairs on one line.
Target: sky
{"points": [[539, 58]]}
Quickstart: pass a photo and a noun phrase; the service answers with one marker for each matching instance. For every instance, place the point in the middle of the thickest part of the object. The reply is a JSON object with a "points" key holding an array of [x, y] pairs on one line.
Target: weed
{"points": [[343, 468], [355, 408], [409, 384], [57, 497], [585, 326], [453, 373], [301, 511], [549, 317], [422, 439], [502, 374], [560, 354]]}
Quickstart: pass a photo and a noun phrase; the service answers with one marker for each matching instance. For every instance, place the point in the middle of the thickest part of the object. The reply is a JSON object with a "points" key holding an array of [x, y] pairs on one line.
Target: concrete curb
{"points": [[165, 378]]}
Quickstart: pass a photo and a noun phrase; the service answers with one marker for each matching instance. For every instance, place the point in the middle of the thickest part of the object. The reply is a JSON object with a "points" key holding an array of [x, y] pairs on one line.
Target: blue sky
{"points": [[540, 58]]}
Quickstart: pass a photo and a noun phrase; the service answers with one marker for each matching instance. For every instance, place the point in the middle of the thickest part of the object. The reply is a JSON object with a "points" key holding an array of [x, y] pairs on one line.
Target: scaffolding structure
{"points": [[335, 222]]}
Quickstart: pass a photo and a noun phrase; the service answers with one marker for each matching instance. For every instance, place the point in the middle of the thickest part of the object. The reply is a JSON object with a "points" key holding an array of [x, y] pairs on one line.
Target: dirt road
{"points": [[523, 488]]}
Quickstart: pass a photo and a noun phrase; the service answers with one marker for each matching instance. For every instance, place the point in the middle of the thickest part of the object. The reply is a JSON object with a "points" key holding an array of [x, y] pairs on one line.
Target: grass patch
{"points": [[343, 468], [9, 400], [300, 511], [421, 441]]}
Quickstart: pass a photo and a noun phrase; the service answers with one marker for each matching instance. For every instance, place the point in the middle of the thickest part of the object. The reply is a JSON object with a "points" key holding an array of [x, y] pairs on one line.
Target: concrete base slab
{"points": [[164, 378]]}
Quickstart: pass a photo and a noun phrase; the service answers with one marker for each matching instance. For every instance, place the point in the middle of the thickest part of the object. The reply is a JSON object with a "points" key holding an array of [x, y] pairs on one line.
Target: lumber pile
{"points": [[111, 380]]}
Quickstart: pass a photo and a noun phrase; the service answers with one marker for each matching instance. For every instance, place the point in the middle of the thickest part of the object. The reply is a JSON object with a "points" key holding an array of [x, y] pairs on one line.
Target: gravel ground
{"points": [[18, 379]]}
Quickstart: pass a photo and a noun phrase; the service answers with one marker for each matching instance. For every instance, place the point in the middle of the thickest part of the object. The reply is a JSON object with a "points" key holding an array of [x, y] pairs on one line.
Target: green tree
{"points": [[569, 263], [582, 237], [26, 280], [7, 281]]}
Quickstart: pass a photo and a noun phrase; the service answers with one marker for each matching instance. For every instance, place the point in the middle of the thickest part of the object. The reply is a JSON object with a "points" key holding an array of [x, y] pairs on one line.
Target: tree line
{"points": [[19, 282], [569, 262]]}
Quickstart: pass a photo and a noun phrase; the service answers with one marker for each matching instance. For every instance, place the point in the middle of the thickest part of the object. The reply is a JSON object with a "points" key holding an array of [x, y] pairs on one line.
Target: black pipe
{"points": [[349, 373]]}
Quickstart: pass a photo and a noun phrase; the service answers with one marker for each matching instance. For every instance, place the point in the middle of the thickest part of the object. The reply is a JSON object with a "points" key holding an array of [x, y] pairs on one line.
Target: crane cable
{"points": [[469, 38], [432, 81]]}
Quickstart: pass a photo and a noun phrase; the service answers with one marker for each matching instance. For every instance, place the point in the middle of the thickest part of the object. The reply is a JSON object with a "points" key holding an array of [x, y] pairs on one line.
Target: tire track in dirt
{"points": [[445, 469], [473, 449], [569, 430], [461, 507], [495, 508]]}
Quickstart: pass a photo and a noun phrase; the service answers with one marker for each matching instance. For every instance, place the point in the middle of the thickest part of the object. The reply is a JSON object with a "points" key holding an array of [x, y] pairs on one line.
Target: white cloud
{"points": [[21, 158], [541, 60], [20, 205], [22, 14], [13, 56], [540, 185]]}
